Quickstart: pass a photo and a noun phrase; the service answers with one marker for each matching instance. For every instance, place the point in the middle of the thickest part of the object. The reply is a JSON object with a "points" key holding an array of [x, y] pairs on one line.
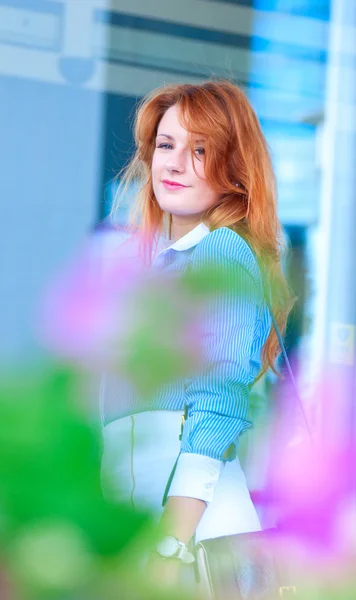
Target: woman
{"points": [[207, 184]]}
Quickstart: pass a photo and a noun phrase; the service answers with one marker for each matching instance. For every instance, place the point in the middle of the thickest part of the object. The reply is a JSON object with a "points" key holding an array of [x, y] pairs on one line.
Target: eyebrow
{"points": [[170, 137]]}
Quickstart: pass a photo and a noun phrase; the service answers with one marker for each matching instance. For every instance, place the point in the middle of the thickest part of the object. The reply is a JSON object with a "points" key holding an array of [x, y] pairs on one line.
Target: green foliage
{"points": [[59, 538], [50, 463]]}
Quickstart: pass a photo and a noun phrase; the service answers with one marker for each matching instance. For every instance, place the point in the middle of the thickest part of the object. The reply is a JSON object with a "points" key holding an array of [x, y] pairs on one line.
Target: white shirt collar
{"points": [[189, 240]]}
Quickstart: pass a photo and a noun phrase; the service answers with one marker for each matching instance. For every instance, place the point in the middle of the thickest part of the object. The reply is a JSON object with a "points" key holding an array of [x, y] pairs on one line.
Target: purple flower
{"points": [[107, 312], [83, 316], [310, 481]]}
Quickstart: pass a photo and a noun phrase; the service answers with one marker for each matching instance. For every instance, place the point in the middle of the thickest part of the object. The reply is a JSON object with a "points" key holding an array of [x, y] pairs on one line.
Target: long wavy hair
{"points": [[237, 165]]}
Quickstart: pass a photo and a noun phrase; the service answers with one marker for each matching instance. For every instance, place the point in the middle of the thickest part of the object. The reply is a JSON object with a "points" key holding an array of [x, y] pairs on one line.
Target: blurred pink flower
{"points": [[310, 480], [82, 316], [106, 311]]}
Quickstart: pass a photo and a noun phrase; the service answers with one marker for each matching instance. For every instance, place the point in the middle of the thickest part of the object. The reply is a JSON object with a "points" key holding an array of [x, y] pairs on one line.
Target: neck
{"points": [[181, 226]]}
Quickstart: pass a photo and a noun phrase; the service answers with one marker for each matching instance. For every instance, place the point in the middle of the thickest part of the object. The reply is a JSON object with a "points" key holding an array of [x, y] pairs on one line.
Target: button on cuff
{"points": [[196, 476]]}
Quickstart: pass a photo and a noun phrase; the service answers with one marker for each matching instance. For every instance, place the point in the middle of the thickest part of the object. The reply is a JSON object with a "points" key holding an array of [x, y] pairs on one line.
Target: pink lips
{"points": [[172, 185]]}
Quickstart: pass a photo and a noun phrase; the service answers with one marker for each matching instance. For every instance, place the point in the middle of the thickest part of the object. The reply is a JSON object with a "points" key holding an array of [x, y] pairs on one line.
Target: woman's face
{"points": [[177, 188]]}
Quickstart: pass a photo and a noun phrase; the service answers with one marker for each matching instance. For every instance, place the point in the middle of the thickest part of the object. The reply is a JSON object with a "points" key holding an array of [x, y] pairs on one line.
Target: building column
{"points": [[338, 218]]}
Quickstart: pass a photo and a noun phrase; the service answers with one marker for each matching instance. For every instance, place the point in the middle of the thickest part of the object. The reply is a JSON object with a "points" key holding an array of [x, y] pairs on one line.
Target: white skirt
{"points": [[139, 454]]}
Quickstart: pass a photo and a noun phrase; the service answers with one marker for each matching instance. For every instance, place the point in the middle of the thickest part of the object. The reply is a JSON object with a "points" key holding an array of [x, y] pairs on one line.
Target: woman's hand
{"points": [[180, 519], [163, 573]]}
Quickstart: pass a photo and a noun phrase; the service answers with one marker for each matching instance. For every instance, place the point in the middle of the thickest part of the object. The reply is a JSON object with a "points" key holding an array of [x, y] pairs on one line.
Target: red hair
{"points": [[236, 152]]}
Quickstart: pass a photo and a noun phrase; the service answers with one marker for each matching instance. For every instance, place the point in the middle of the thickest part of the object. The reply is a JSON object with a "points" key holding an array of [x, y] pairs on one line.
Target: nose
{"points": [[175, 162]]}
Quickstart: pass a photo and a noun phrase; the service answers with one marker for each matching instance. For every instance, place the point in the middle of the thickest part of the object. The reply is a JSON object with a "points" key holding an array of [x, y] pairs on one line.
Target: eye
{"points": [[200, 151], [164, 145]]}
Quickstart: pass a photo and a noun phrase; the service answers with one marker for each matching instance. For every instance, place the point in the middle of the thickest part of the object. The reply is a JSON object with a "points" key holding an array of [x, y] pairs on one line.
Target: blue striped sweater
{"points": [[236, 327]]}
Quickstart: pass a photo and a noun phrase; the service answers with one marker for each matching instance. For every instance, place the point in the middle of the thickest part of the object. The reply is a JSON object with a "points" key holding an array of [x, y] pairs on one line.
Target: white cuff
{"points": [[196, 476]]}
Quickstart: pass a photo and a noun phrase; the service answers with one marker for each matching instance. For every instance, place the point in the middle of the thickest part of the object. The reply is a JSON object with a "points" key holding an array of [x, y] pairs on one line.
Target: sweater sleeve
{"points": [[217, 396]]}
